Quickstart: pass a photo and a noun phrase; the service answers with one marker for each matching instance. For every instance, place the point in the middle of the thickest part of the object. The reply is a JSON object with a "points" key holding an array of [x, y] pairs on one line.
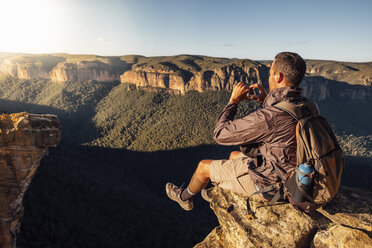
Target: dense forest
{"points": [[103, 186]]}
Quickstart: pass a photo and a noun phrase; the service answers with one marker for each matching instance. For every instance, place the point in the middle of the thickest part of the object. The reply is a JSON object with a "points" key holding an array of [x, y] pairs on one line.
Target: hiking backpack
{"points": [[317, 146]]}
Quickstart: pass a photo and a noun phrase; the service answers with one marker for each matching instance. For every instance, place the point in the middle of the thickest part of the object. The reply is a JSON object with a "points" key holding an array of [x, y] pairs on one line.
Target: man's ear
{"points": [[278, 77]]}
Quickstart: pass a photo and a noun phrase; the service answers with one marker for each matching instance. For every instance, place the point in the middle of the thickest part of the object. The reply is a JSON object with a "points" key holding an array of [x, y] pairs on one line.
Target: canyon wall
{"points": [[182, 73], [65, 68], [24, 141], [23, 71], [320, 88], [222, 78], [82, 71]]}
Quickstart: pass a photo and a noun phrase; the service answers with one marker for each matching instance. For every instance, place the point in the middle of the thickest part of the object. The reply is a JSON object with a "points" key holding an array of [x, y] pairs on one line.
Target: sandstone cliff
{"points": [[63, 67], [319, 89], [82, 71], [182, 73], [179, 74], [24, 140], [345, 222], [352, 73], [185, 72]]}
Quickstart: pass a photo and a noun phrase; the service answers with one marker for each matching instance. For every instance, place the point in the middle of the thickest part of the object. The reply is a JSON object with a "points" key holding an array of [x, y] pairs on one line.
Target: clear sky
{"points": [[336, 30]]}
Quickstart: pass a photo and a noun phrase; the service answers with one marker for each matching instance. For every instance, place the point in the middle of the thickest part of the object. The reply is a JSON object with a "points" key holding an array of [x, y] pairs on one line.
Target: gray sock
{"points": [[186, 194]]}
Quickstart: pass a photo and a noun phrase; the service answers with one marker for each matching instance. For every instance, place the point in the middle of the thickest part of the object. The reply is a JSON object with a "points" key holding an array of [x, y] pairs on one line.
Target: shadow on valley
{"points": [[102, 197]]}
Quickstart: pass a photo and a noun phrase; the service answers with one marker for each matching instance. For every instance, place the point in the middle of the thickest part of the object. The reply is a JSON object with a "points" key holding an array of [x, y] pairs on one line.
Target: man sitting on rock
{"points": [[266, 138]]}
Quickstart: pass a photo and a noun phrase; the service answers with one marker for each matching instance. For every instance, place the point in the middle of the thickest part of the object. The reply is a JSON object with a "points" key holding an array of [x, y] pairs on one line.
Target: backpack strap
{"points": [[299, 110], [277, 186]]}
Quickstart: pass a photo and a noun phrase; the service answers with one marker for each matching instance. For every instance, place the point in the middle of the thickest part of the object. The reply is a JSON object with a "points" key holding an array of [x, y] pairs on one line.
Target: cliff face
{"points": [[352, 73], [82, 71], [24, 139], [226, 77], [346, 222], [223, 77], [142, 78], [62, 68], [324, 79], [321, 89], [23, 71], [182, 73]]}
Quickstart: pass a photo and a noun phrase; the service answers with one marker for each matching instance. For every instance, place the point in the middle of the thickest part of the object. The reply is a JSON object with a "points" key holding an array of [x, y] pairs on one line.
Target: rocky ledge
{"points": [[24, 140], [345, 222]]}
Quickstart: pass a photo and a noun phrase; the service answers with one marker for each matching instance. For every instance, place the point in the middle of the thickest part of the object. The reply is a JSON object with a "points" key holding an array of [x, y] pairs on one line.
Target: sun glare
{"points": [[28, 25]]}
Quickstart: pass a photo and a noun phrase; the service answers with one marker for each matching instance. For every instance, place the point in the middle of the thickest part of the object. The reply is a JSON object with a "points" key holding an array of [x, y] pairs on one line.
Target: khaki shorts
{"points": [[234, 175]]}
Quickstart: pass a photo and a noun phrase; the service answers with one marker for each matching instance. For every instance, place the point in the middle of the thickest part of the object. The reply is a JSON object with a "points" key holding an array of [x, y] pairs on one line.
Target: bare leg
{"points": [[199, 180], [234, 155], [201, 177]]}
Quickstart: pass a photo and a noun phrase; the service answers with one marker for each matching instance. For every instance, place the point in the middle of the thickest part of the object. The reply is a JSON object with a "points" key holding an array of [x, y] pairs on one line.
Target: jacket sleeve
{"points": [[253, 128]]}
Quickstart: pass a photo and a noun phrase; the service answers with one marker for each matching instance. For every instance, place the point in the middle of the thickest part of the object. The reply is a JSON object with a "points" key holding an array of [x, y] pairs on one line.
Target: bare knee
{"points": [[202, 171], [234, 155]]}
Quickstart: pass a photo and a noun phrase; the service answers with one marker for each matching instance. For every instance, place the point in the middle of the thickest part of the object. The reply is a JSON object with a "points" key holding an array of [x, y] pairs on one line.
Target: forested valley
{"points": [[103, 186]]}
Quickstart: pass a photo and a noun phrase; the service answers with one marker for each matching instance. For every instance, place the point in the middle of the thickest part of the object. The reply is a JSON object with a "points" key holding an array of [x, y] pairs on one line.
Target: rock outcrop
{"points": [[82, 71], [320, 89], [64, 67], [345, 222], [182, 73], [147, 77], [222, 77], [352, 73], [24, 139]]}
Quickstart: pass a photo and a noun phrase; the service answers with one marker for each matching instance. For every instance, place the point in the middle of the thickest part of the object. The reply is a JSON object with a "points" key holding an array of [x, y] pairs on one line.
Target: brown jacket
{"points": [[269, 131]]}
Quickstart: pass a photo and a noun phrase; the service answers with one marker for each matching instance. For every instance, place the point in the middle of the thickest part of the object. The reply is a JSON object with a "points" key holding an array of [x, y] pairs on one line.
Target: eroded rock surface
{"points": [[345, 222], [24, 139], [341, 236], [63, 67], [221, 77]]}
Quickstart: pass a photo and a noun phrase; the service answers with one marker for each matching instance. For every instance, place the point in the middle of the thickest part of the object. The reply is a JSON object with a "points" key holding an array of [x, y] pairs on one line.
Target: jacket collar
{"points": [[283, 94]]}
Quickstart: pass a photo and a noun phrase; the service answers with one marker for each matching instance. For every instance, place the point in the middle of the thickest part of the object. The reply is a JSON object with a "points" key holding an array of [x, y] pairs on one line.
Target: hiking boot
{"points": [[174, 193], [205, 196]]}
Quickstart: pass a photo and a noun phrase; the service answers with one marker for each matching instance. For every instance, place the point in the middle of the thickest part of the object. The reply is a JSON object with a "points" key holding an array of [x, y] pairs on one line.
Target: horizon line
{"points": [[174, 55]]}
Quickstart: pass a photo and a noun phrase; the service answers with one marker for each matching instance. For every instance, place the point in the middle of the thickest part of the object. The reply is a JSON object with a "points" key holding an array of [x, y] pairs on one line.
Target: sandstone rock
{"points": [[179, 74], [345, 222], [82, 71], [340, 236], [24, 139], [320, 90], [24, 70], [273, 226], [64, 68], [155, 79], [350, 207], [221, 78]]}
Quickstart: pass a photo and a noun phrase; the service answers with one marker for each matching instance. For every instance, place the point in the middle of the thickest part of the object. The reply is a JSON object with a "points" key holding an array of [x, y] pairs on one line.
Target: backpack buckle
{"points": [[278, 185], [312, 174]]}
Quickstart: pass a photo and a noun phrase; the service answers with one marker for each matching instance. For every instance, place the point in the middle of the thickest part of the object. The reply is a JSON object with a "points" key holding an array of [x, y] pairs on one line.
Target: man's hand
{"points": [[239, 93], [261, 97]]}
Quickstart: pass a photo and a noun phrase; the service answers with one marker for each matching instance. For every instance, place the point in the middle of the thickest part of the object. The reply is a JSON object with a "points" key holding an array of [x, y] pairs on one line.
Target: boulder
{"points": [[339, 236], [345, 222], [24, 139]]}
